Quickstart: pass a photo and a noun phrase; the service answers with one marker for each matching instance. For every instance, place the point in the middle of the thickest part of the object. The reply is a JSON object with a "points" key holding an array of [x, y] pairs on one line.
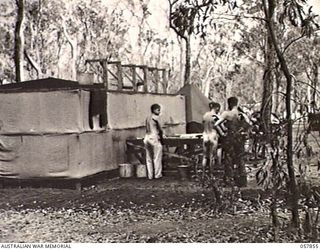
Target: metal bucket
{"points": [[126, 170], [184, 172], [141, 171]]}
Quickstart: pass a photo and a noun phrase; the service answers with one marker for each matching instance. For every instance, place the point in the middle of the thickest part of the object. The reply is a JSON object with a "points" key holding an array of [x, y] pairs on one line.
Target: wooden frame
{"points": [[134, 77]]}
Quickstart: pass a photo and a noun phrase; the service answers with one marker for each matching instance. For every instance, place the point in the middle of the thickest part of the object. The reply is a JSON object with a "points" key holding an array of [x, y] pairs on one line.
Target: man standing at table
{"points": [[233, 142], [153, 143]]}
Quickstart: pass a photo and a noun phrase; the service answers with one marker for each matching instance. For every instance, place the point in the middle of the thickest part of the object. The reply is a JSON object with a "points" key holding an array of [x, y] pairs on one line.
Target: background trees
{"points": [[228, 50], [263, 51]]}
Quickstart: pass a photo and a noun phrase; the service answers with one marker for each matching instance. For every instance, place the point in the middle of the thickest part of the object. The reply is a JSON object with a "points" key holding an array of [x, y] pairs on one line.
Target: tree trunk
{"points": [[284, 67], [19, 42], [206, 83], [34, 65], [74, 54], [187, 72], [315, 80], [182, 63], [274, 216], [266, 106], [277, 101]]}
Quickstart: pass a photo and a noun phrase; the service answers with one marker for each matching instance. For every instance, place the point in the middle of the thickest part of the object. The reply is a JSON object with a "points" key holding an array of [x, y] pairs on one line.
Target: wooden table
{"points": [[181, 149]]}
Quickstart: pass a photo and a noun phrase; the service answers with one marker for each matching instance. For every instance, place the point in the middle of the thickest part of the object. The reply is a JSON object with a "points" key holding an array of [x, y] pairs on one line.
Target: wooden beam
{"points": [[157, 81], [102, 60], [135, 65], [114, 75], [152, 68], [155, 68], [165, 81], [129, 65], [140, 78], [114, 62], [134, 79], [104, 65], [96, 60], [127, 76], [145, 78], [119, 74]]}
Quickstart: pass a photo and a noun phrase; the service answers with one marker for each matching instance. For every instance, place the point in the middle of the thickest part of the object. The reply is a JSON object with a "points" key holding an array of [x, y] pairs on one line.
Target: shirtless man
{"points": [[233, 144], [210, 134], [153, 143]]}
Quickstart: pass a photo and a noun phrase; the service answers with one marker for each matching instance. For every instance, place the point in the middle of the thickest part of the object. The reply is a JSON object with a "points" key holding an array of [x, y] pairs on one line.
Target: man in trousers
{"points": [[153, 143], [233, 142]]}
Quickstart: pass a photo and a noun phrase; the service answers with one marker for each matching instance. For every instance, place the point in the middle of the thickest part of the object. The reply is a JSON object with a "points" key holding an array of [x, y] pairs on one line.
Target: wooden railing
{"points": [[141, 77]]}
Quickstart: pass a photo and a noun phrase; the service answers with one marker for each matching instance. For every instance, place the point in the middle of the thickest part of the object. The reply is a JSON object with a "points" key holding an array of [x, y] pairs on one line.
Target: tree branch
{"points": [[292, 42], [170, 21], [241, 16], [34, 65], [70, 41], [309, 85]]}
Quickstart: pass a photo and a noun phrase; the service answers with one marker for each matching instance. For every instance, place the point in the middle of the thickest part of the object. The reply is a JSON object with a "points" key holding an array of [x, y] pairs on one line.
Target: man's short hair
{"points": [[213, 105], [232, 102], [155, 106]]}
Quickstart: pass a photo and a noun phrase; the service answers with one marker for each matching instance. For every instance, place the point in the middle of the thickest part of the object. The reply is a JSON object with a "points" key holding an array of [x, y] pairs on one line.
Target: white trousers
{"points": [[153, 156]]}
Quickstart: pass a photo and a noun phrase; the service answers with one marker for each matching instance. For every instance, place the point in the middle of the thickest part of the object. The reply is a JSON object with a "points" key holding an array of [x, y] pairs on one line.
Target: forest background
{"points": [[264, 52], [228, 58]]}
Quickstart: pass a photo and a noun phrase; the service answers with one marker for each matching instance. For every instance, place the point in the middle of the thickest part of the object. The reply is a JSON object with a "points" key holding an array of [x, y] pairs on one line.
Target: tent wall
{"points": [[63, 111], [127, 110], [63, 156], [47, 134]]}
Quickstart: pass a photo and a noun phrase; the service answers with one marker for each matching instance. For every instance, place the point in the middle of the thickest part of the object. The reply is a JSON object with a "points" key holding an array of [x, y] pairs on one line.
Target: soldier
{"points": [[153, 143], [233, 142]]}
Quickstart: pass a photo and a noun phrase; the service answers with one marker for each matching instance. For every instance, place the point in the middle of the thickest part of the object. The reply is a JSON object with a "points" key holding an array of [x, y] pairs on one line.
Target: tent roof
{"points": [[46, 83], [196, 103]]}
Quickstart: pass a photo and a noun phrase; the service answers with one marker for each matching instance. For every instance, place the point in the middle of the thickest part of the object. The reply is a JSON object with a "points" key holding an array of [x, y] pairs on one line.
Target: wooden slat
{"points": [[157, 80], [104, 65], [96, 60], [164, 81], [145, 78], [119, 74], [114, 62], [134, 79], [114, 75]]}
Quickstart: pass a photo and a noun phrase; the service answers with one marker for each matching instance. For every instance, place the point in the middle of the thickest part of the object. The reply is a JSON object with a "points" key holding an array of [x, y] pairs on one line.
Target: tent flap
{"points": [[196, 103]]}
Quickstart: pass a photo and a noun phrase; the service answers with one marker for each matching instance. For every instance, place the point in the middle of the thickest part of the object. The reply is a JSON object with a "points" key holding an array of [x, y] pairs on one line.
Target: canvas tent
{"points": [[196, 105], [46, 127]]}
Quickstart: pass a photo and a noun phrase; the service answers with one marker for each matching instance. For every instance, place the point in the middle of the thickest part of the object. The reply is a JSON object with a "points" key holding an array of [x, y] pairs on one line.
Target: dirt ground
{"points": [[133, 210], [122, 210]]}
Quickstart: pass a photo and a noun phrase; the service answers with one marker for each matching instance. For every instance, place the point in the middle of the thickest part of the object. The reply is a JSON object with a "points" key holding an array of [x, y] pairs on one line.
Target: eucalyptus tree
{"points": [[19, 40], [61, 35], [7, 41], [189, 17]]}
